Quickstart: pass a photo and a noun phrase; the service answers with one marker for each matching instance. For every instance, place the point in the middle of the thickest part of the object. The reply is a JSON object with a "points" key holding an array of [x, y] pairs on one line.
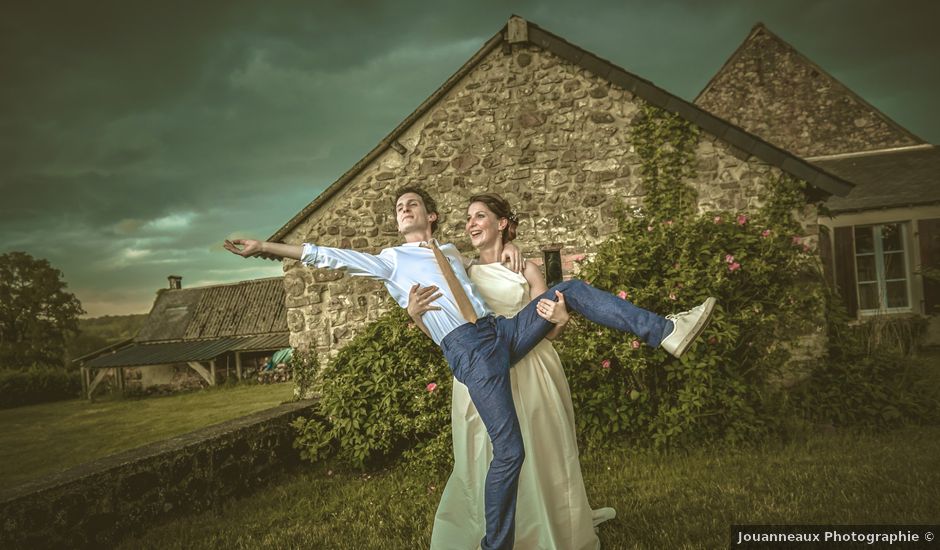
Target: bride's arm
{"points": [[553, 311]]}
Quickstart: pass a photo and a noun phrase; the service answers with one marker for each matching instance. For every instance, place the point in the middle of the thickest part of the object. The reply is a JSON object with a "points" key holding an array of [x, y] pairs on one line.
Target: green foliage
{"points": [[376, 401], [37, 384], [666, 258], [720, 389], [869, 380], [36, 312], [305, 365]]}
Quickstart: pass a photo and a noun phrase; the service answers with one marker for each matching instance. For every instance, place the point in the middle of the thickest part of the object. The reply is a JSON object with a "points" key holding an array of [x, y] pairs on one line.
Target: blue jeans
{"points": [[480, 354]]}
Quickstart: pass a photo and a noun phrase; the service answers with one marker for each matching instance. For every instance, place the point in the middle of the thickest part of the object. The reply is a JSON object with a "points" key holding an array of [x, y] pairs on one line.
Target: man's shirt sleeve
{"points": [[354, 262]]}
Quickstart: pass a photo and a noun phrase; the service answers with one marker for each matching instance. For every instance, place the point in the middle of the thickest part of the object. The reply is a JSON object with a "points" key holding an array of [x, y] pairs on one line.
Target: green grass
{"points": [[41, 439], [662, 501]]}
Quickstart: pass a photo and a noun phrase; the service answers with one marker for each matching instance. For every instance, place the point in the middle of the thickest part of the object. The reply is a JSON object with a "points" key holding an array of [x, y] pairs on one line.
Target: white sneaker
{"points": [[688, 325]]}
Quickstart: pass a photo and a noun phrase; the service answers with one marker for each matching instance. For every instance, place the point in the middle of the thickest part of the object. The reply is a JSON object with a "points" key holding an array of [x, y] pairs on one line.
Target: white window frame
{"points": [[881, 281]]}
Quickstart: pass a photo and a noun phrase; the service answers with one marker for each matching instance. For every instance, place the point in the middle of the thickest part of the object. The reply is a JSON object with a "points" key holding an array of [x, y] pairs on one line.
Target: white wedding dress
{"points": [[552, 510]]}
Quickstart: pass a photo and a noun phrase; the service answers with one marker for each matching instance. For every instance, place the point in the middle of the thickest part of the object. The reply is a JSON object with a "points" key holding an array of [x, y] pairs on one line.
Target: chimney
{"points": [[176, 282]]}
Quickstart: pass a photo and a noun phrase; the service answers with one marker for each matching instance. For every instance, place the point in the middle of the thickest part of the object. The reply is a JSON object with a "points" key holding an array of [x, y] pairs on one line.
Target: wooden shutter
{"points": [[825, 254], [929, 236], [845, 268]]}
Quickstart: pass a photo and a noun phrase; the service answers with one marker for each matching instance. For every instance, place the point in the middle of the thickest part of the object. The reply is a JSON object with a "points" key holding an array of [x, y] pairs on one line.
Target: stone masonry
{"points": [[771, 90], [551, 137]]}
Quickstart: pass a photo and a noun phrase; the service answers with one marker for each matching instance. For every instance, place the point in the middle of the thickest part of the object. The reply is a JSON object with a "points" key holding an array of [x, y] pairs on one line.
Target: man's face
{"points": [[411, 214]]}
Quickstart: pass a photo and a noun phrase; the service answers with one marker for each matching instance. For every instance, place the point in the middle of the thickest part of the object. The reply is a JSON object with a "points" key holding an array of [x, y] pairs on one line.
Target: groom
{"points": [[478, 346]]}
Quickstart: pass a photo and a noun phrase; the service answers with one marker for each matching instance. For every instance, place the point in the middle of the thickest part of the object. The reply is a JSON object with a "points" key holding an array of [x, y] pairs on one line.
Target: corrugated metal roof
{"points": [[181, 352], [219, 311]]}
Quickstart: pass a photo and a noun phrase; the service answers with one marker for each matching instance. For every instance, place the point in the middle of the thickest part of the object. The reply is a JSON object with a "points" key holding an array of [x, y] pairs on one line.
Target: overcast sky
{"points": [[136, 136]]}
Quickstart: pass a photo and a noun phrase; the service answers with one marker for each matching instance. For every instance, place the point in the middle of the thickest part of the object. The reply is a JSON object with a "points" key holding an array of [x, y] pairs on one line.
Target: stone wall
{"points": [[551, 137], [95, 504], [773, 91]]}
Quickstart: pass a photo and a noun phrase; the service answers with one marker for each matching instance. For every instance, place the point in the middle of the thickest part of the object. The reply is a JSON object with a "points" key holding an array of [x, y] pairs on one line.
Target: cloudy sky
{"points": [[136, 136]]}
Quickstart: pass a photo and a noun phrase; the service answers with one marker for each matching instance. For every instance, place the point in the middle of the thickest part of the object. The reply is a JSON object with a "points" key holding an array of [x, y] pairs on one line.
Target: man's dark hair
{"points": [[429, 203]]}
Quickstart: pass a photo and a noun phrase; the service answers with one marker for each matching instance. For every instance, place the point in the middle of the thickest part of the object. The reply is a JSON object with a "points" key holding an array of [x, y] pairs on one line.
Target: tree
{"points": [[36, 312]]}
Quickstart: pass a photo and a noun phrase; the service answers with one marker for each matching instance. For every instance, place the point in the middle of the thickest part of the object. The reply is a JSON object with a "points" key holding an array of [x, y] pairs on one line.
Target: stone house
{"points": [[547, 125], [880, 239], [193, 337]]}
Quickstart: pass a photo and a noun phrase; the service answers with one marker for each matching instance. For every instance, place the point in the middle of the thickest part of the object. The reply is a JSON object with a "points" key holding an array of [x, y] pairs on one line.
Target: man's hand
{"points": [[512, 257], [249, 247], [553, 312], [419, 300]]}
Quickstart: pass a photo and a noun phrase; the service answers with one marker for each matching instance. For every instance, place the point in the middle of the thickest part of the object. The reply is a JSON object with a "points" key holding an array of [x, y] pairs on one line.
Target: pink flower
{"points": [[605, 363], [635, 344], [432, 386], [579, 258], [668, 222], [717, 219], [796, 239], [742, 219], [765, 233], [649, 228], [729, 259], [734, 266], [806, 248], [672, 296], [622, 294]]}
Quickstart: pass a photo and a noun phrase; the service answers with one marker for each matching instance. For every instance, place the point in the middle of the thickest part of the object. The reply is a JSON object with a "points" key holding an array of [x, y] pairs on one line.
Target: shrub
{"points": [[668, 258], [384, 395], [866, 383], [38, 384]]}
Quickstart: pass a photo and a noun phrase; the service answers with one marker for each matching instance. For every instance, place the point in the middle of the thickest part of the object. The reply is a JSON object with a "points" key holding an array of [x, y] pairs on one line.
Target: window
{"points": [[881, 268]]}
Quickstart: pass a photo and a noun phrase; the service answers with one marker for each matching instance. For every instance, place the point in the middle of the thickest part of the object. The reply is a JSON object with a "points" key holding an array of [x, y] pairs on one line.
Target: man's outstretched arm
{"points": [[249, 248], [354, 262]]}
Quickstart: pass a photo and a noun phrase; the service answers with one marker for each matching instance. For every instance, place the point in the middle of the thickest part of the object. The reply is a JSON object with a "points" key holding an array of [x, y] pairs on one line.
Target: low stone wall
{"points": [[95, 504]]}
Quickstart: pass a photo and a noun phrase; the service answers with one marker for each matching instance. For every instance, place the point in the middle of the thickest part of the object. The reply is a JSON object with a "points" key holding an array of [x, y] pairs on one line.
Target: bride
{"points": [[552, 510]]}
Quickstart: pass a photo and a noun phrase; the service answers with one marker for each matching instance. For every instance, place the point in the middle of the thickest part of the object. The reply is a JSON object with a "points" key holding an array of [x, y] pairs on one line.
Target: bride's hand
{"points": [[419, 300], [553, 312]]}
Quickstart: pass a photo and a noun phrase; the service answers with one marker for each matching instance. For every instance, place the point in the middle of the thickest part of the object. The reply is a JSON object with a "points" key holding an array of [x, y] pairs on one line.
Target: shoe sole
{"points": [[697, 329]]}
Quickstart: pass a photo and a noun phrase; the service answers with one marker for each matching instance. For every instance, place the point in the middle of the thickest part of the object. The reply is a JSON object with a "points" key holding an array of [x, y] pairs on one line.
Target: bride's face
{"points": [[483, 227]]}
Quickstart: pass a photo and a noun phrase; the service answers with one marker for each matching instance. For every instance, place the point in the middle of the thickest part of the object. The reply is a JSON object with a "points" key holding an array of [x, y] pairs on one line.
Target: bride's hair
{"points": [[499, 206]]}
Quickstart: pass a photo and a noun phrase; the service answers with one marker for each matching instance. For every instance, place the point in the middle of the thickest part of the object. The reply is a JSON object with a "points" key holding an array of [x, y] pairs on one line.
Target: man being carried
{"points": [[478, 346]]}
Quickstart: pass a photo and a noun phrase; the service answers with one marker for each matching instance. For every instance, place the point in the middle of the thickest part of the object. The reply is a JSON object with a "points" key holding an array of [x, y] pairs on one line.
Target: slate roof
{"points": [[826, 184], [904, 177]]}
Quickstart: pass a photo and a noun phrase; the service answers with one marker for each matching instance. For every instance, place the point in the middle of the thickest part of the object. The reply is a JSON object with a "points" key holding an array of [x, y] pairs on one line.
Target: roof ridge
{"points": [[646, 90], [873, 152], [737, 51]]}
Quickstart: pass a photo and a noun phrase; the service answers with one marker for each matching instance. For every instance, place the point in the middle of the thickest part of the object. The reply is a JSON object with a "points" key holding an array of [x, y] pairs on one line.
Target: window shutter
{"points": [[825, 254], [929, 237], [845, 268]]}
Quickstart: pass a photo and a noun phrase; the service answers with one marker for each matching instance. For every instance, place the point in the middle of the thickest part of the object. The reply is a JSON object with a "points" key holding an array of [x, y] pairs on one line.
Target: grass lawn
{"points": [[41, 439], [662, 501]]}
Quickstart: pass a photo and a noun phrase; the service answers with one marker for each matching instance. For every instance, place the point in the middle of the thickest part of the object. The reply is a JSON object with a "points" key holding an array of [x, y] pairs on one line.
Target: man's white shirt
{"points": [[401, 267]]}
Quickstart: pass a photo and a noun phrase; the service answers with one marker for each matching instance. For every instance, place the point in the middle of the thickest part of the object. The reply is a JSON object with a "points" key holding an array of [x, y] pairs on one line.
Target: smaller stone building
{"points": [[881, 240], [547, 125], [196, 336]]}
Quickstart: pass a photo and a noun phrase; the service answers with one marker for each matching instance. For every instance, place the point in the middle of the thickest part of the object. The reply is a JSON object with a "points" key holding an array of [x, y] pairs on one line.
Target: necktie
{"points": [[460, 296]]}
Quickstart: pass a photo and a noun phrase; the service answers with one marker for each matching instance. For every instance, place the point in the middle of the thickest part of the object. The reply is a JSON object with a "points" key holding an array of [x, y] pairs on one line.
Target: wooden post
{"points": [[94, 383], [212, 372], [119, 374], [238, 364], [84, 373]]}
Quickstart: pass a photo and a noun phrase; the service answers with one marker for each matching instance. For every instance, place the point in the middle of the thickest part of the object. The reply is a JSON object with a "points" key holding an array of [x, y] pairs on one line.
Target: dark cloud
{"points": [[135, 136]]}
